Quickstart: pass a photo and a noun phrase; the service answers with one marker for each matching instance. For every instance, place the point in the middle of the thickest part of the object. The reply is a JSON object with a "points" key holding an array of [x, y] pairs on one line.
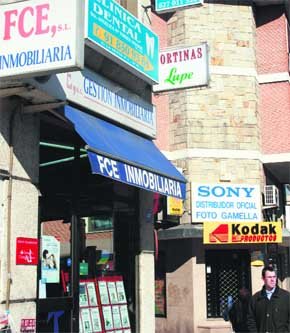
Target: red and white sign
{"points": [[28, 325], [26, 251]]}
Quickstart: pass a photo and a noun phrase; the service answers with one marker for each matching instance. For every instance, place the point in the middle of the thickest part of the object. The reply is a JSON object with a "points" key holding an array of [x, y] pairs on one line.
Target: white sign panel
{"points": [[183, 68], [225, 202], [50, 259], [39, 37], [103, 97]]}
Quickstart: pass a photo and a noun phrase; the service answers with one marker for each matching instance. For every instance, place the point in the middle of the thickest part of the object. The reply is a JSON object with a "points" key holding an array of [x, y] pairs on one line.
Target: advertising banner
{"points": [[103, 97], [41, 37], [225, 202], [242, 232], [183, 68], [174, 206], [115, 32], [171, 5], [26, 251], [50, 260], [135, 176]]}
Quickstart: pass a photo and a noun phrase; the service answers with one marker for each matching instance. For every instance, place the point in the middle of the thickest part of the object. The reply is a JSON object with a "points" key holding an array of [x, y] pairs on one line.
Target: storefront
{"points": [[79, 88], [218, 257], [97, 181]]}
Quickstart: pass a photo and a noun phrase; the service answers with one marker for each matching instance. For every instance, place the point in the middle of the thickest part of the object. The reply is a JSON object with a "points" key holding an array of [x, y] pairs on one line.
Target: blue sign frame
{"points": [[119, 35], [171, 5]]}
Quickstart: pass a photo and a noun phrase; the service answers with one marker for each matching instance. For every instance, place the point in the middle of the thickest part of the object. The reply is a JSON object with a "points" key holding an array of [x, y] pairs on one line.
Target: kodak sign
{"points": [[237, 232]]}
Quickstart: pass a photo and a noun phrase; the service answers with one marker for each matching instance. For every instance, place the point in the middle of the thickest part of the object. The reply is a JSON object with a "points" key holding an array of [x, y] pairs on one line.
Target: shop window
{"points": [[101, 222], [160, 286], [226, 272]]}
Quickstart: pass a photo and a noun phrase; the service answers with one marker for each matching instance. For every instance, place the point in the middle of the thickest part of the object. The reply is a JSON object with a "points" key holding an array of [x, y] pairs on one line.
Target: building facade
{"points": [[93, 232], [228, 132]]}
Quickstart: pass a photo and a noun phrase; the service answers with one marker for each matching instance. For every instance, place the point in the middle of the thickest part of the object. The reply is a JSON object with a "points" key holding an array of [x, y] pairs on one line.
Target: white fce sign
{"points": [[225, 202], [40, 37]]}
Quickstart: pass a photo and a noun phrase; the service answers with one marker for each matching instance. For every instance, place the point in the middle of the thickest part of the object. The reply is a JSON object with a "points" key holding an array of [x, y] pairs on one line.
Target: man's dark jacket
{"points": [[272, 315]]}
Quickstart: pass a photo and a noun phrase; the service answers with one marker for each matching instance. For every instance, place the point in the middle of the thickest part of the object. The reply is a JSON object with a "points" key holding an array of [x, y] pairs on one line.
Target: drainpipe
{"points": [[9, 205]]}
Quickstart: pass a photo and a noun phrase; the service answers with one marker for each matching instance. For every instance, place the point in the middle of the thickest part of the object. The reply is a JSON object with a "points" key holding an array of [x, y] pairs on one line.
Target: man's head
{"points": [[269, 277]]}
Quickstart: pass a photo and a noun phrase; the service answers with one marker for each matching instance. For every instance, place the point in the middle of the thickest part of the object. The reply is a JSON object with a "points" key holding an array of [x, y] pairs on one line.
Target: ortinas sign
{"points": [[183, 68]]}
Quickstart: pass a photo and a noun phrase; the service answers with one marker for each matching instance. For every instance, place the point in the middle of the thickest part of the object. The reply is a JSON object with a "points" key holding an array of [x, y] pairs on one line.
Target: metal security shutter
{"points": [[226, 272]]}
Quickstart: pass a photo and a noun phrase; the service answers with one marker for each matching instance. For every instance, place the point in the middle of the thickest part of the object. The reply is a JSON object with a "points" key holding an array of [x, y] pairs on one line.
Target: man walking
{"points": [[269, 309]]}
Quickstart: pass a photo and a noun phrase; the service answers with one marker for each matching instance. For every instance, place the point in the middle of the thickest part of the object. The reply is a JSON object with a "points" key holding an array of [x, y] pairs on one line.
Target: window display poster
{"points": [[50, 261], [113, 292], [121, 292], [116, 316], [108, 319], [103, 292], [92, 294], [124, 316], [86, 321], [83, 295], [96, 320]]}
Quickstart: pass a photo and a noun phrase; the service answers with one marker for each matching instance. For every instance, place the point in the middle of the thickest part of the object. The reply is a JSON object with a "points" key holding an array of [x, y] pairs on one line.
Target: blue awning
{"points": [[126, 157]]}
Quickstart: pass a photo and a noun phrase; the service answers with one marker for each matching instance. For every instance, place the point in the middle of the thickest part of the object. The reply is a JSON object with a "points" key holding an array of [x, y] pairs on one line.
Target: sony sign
{"points": [[226, 202]]}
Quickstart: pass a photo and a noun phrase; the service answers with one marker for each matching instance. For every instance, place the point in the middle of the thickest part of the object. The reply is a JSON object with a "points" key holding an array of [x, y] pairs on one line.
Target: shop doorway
{"points": [[87, 230], [55, 301], [226, 272]]}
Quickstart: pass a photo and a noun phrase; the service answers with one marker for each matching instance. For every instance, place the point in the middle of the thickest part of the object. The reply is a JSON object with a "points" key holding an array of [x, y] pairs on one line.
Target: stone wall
{"points": [[213, 128], [24, 207]]}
